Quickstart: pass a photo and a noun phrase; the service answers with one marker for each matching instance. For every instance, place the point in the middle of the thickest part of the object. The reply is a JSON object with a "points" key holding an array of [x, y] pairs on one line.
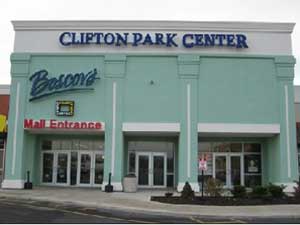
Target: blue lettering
{"points": [[230, 40], [147, 40], [121, 39], [74, 41], [159, 39], [109, 38], [89, 37], [184, 40], [63, 37], [241, 41], [220, 37], [98, 38], [209, 39], [137, 37], [199, 39], [170, 40]]}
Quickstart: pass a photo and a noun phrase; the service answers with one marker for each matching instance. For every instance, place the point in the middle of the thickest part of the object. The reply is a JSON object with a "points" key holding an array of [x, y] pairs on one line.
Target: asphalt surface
{"points": [[23, 211]]}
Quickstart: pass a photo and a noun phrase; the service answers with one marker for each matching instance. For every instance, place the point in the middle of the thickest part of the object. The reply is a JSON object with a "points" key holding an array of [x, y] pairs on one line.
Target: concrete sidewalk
{"points": [[140, 201]]}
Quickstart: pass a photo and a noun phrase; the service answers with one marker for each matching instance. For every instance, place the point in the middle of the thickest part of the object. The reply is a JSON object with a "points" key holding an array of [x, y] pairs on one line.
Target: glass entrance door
{"points": [[151, 169], [84, 177], [235, 170], [143, 169], [62, 162], [228, 169], [159, 170], [220, 168]]}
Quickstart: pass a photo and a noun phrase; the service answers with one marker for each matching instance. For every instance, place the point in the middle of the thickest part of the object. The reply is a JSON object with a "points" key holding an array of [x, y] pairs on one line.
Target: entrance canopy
{"points": [[237, 130]]}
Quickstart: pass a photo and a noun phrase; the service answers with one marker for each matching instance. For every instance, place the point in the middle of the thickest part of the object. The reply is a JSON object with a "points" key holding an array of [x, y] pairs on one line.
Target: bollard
{"points": [[28, 184], [109, 187]]}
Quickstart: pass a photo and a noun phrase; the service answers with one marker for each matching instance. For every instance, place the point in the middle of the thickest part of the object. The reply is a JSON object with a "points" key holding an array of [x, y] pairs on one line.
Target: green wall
{"points": [[223, 89]]}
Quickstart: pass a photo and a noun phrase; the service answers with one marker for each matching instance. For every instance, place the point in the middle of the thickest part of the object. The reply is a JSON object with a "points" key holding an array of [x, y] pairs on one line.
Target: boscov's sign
{"points": [[187, 40], [43, 85], [63, 125]]}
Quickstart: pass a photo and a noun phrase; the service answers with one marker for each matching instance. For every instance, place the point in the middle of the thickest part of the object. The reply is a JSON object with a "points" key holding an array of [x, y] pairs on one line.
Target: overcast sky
{"points": [[194, 10]]}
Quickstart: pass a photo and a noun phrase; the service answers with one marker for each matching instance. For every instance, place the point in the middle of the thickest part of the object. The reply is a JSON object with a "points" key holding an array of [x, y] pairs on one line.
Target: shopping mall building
{"points": [[152, 98]]}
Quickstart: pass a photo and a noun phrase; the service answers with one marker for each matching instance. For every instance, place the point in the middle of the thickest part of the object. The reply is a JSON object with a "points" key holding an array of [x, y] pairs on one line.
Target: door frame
{"points": [[56, 153], [228, 166], [150, 169], [164, 154], [93, 169], [138, 154], [79, 168]]}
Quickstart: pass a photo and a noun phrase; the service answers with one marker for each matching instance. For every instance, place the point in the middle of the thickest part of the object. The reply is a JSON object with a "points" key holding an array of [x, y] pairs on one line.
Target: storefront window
{"points": [[46, 145], [66, 144], [131, 168], [250, 147], [231, 153], [221, 147]]}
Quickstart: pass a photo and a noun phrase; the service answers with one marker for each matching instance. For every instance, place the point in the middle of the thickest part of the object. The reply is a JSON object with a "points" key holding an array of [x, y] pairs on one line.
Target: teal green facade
{"points": [[152, 88]]}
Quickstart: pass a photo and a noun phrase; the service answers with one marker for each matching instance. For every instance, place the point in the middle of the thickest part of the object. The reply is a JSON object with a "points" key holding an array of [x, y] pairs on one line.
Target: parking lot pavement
{"points": [[32, 211]]}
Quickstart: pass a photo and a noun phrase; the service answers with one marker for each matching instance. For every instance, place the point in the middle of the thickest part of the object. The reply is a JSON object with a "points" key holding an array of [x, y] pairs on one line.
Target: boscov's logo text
{"points": [[43, 85]]}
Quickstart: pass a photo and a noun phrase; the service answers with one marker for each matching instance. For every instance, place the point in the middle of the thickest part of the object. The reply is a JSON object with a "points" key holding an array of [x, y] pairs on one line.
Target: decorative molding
{"points": [[153, 25], [238, 128], [13, 184], [115, 65], [151, 127], [195, 186], [188, 66]]}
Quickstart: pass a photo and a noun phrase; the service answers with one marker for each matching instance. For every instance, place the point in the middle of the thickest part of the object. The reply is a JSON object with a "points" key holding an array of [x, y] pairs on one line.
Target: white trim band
{"points": [[13, 184], [15, 130], [287, 130], [151, 127], [113, 141], [239, 128], [188, 119]]}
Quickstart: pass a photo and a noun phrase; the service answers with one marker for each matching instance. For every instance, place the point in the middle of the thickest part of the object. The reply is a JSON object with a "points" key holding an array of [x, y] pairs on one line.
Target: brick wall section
{"points": [[4, 104]]}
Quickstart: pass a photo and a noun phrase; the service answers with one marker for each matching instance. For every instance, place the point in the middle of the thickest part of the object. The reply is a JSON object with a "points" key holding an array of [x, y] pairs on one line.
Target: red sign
{"points": [[54, 124], [203, 164]]}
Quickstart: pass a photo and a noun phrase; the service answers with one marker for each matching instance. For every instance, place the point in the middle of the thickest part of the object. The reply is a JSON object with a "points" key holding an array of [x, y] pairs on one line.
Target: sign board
{"points": [[135, 39], [203, 164], [43, 85], [62, 125]]}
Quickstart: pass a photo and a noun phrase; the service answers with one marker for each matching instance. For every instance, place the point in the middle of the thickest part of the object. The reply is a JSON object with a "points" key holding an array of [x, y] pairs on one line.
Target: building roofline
{"points": [[20, 25]]}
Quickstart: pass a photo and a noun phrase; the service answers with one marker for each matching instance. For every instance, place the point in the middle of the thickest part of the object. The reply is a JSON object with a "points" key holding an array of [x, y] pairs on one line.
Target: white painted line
{"points": [[15, 130], [287, 130]]}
